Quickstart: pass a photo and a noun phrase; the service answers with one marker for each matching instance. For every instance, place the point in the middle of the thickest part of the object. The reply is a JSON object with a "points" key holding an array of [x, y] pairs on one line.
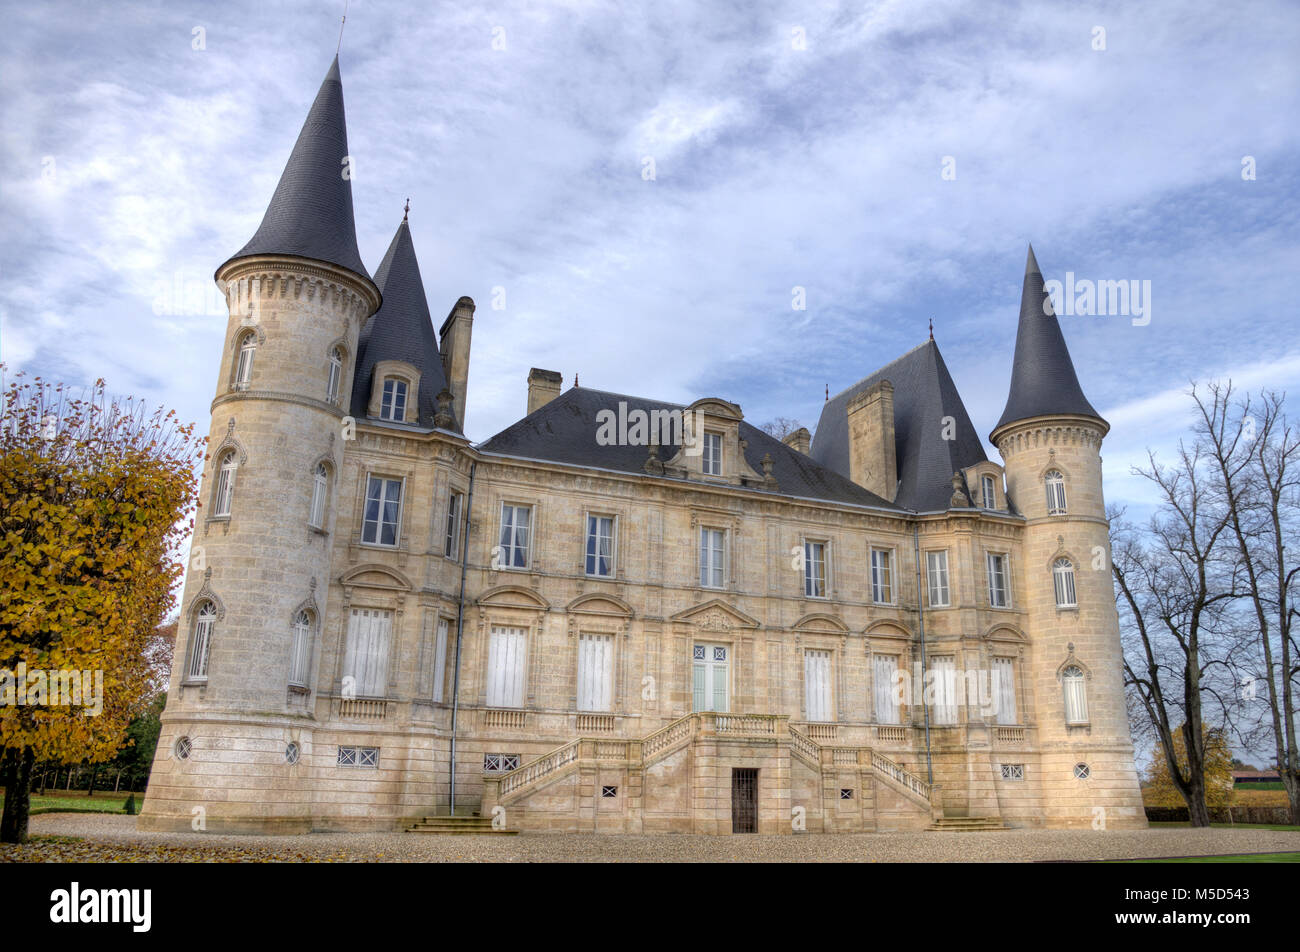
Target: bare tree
{"points": [[781, 427]]}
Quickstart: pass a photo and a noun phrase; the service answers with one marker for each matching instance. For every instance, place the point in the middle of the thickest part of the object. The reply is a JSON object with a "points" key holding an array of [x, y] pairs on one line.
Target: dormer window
{"points": [[712, 463], [393, 405], [990, 498]]}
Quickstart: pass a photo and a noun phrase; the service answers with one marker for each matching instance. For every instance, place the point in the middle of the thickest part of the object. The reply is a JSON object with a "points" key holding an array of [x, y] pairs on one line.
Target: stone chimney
{"points": [[454, 346], [543, 387], [872, 463], [798, 440]]}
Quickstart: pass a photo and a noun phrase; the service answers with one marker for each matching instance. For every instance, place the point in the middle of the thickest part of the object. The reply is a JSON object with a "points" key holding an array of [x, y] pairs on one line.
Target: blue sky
{"points": [[136, 164]]}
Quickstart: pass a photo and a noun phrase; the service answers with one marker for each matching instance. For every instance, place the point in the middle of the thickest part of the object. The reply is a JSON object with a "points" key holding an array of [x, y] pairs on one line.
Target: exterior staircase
{"points": [[469, 824], [968, 824]]}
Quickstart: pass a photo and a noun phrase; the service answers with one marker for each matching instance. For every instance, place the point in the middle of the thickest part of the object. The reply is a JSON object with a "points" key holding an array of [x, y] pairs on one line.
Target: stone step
{"points": [[467, 825], [968, 824]]}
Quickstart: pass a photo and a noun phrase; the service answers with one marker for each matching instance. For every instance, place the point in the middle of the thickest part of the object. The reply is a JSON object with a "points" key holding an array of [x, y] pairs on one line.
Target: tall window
{"points": [[883, 691], [320, 485], [383, 511], [1076, 696], [1004, 690], [201, 642], [817, 684], [600, 546], [505, 684], [713, 454], [244, 367], [712, 557], [595, 672], [814, 569], [224, 493], [882, 581], [990, 499], [451, 539], [709, 677], [515, 522], [936, 566], [1063, 580], [365, 661], [393, 405], [997, 568], [1055, 485], [945, 690], [336, 375], [439, 659], [300, 660]]}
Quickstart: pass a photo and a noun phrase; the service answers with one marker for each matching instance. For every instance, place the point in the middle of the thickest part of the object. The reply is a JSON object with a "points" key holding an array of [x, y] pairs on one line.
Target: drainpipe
{"points": [[460, 627], [920, 620]]}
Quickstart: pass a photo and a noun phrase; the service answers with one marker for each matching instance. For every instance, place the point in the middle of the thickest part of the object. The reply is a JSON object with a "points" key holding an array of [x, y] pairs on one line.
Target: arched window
{"points": [[225, 489], [1063, 579], [201, 642], [1055, 484], [990, 498], [336, 374], [1076, 695], [393, 406], [244, 368], [320, 485], [300, 661]]}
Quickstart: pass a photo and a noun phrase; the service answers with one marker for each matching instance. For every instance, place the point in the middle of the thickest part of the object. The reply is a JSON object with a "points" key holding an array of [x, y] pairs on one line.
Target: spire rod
{"points": [[407, 210], [932, 328], [341, 26], [828, 393]]}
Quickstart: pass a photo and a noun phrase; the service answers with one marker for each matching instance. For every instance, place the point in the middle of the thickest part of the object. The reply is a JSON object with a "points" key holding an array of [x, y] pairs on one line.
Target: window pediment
{"points": [[373, 575], [599, 604], [715, 615], [513, 596]]}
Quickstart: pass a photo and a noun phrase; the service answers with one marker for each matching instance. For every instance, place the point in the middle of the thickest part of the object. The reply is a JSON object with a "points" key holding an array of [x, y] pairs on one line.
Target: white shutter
{"points": [[817, 684], [439, 659], [699, 687], [884, 668], [945, 690], [506, 668], [594, 669], [1004, 689], [366, 658], [1076, 698]]}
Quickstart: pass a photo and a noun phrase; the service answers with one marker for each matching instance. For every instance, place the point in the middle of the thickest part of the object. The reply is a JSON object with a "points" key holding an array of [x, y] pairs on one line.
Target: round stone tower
{"points": [[248, 646], [1050, 438]]}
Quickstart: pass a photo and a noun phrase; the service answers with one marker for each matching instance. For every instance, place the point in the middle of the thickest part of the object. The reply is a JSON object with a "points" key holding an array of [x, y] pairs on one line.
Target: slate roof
{"points": [[924, 393], [310, 215], [401, 329], [1043, 380], [564, 431]]}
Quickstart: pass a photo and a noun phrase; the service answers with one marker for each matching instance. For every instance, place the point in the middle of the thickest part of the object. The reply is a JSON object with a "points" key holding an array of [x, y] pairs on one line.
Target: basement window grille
{"points": [[1013, 771], [183, 747], [608, 792], [1082, 771], [358, 757], [846, 793], [291, 753], [500, 763]]}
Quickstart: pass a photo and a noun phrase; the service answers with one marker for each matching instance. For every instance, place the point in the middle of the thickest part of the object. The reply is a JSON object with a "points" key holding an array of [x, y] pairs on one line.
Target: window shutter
{"points": [[945, 690], [719, 687], [594, 657], [506, 668], [439, 659], [817, 684], [883, 669], [1004, 689], [700, 701]]}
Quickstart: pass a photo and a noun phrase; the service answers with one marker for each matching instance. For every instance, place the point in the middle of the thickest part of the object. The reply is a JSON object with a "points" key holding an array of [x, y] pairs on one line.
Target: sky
{"points": [[891, 160]]}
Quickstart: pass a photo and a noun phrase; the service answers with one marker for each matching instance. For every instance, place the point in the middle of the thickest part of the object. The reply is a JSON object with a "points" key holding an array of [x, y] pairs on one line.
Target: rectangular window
{"points": [[1013, 771], [506, 663], [393, 406], [882, 582], [300, 659], [383, 511], [884, 692], [990, 498], [997, 566], [595, 672], [499, 763], [814, 569], [451, 538], [713, 454], [945, 690], [515, 524], [817, 684], [201, 646], [709, 677], [1004, 690], [365, 660], [936, 564], [359, 757], [712, 557], [600, 546], [440, 659]]}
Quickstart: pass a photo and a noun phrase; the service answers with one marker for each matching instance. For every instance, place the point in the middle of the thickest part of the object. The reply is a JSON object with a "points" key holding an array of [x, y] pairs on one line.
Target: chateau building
{"points": [[621, 614]]}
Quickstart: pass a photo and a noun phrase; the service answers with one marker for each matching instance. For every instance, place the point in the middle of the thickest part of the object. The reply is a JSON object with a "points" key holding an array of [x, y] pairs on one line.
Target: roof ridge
{"points": [[884, 367]]}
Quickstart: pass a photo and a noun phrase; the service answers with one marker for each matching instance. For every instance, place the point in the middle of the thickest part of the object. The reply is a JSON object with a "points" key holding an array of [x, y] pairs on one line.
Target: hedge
{"points": [[1270, 815]]}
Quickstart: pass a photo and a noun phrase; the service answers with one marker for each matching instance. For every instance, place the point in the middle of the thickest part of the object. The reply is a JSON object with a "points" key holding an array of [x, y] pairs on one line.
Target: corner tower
{"points": [[1050, 438], [237, 731]]}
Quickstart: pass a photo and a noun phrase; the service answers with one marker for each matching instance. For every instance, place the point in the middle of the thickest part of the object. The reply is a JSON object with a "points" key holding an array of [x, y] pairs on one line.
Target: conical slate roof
{"points": [[310, 215], [924, 394], [400, 330], [1043, 381]]}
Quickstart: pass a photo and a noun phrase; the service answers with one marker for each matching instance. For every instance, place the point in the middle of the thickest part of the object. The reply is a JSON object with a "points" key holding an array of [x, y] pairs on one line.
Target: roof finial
{"points": [[407, 210], [575, 378], [828, 393], [932, 328], [341, 25]]}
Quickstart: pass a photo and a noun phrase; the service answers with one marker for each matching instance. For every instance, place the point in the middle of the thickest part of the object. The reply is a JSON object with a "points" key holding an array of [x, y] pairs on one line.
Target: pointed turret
{"points": [[310, 215], [1043, 381], [401, 330]]}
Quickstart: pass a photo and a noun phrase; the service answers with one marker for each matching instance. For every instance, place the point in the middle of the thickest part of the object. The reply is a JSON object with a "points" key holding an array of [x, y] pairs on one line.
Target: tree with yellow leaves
{"points": [[95, 497], [1161, 790]]}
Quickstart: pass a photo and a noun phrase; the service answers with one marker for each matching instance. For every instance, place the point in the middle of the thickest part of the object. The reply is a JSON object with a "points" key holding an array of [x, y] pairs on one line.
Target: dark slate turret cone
{"points": [[1043, 381], [401, 330], [310, 215]]}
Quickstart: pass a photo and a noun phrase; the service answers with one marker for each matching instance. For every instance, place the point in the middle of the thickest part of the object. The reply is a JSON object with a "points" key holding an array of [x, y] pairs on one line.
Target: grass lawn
{"points": [[72, 801], [1245, 858], [1225, 826]]}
